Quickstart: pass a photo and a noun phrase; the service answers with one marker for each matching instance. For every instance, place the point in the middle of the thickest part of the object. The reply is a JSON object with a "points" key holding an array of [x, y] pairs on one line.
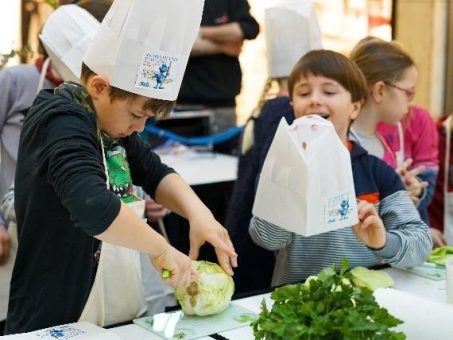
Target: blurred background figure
{"points": [[213, 75]]}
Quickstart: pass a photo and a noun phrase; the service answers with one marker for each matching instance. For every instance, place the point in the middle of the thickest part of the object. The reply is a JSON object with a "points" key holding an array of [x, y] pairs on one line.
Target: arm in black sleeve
{"points": [[72, 157], [240, 13]]}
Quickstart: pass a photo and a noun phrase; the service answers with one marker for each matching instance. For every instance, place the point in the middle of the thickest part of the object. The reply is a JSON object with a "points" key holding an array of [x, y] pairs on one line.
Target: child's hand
{"points": [[438, 238], [409, 177], [179, 265], [4, 244], [207, 229], [370, 229], [154, 210]]}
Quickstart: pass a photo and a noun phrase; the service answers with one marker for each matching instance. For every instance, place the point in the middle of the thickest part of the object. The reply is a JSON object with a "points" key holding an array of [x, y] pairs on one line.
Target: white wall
{"points": [[9, 26]]}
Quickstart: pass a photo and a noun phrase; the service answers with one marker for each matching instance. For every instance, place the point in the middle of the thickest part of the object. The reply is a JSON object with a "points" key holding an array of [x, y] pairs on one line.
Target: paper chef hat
{"points": [[291, 30], [66, 35], [143, 46]]}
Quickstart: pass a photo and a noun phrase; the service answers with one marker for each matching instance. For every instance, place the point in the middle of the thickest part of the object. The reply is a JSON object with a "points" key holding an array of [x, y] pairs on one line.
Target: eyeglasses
{"points": [[409, 94]]}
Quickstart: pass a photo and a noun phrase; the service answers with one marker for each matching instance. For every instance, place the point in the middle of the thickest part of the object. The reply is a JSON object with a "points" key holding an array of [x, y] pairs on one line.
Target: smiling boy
{"points": [[390, 230]]}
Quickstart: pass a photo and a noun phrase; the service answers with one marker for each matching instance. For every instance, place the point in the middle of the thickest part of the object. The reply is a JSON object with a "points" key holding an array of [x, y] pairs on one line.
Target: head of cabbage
{"points": [[209, 294]]}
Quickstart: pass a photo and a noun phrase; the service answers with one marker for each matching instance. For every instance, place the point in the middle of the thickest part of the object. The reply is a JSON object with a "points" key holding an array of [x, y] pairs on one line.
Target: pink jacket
{"points": [[420, 139]]}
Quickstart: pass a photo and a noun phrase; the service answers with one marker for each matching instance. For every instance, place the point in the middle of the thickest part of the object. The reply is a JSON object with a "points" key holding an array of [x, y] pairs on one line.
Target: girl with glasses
{"points": [[390, 127]]}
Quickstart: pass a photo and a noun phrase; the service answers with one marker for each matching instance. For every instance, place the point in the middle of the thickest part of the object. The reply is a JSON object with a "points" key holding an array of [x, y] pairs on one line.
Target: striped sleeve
{"points": [[268, 235], [404, 226]]}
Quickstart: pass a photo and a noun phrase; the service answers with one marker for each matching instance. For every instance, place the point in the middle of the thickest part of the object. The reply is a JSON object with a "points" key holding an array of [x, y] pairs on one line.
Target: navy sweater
{"points": [[408, 238]]}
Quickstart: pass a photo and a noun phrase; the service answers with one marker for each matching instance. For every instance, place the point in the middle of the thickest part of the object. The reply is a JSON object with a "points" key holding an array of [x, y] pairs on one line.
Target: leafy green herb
{"points": [[328, 306]]}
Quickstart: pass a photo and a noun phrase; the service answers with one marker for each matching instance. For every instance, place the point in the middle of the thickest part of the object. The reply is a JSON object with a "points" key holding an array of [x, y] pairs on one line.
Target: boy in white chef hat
{"points": [[65, 34], [78, 159]]}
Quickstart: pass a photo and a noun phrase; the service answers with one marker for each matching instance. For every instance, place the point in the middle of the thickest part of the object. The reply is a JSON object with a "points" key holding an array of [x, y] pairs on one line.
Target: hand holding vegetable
{"points": [[207, 229], [209, 294], [370, 229], [178, 265]]}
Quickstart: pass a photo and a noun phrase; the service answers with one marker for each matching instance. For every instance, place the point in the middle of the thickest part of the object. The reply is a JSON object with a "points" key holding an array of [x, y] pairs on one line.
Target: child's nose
{"points": [[139, 126], [315, 98]]}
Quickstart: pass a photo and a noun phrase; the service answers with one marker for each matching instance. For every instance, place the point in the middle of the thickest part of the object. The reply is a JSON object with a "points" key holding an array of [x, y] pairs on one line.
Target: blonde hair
{"points": [[380, 60]]}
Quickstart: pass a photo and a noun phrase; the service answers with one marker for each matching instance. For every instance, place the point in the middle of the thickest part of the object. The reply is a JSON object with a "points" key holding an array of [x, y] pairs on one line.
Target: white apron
{"points": [[448, 196], [117, 294]]}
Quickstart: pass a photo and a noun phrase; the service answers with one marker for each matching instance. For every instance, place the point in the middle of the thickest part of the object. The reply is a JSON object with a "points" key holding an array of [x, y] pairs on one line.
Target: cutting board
{"points": [[176, 325], [423, 319]]}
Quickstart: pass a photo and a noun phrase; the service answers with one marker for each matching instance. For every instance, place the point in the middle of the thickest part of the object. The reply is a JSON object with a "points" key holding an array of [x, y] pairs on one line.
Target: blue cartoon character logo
{"points": [[156, 71], [344, 209], [162, 75], [56, 333]]}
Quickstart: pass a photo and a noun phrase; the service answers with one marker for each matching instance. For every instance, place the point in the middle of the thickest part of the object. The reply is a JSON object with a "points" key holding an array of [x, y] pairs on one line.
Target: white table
{"points": [[199, 168], [428, 292]]}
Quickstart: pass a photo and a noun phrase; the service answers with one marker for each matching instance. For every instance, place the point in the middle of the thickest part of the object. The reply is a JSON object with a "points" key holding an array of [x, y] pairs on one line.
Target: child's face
{"points": [[119, 117], [327, 98], [398, 96]]}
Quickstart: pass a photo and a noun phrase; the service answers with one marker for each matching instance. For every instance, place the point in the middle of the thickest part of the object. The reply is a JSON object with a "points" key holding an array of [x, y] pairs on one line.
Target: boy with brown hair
{"points": [[390, 230], [79, 156]]}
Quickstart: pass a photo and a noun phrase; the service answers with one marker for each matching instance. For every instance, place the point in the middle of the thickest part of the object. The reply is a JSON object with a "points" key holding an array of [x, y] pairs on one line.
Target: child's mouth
{"points": [[322, 115]]}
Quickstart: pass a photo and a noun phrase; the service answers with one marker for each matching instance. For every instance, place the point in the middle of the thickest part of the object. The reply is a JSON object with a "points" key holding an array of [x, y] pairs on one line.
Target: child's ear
{"points": [[356, 106], [98, 86], [377, 91]]}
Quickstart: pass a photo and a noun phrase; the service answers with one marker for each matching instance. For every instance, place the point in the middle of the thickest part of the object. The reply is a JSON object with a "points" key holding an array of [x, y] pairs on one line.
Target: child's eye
{"points": [[304, 94], [135, 116], [329, 93]]}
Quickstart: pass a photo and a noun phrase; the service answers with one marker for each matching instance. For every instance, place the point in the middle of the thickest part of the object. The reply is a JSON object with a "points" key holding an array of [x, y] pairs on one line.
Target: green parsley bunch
{"points": [[329, 306]]}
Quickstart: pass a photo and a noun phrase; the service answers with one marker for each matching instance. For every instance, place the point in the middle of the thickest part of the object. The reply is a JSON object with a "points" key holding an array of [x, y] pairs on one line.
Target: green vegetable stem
{"points": [[166, 274]]}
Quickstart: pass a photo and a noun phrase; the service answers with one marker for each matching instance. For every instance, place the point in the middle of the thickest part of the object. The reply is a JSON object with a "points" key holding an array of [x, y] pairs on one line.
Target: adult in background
{"points": [[213, 75]]}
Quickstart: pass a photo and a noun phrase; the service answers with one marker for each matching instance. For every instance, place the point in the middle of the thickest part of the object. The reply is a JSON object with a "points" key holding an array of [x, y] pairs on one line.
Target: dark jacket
{"points": [[61, 202], [215, 80]]}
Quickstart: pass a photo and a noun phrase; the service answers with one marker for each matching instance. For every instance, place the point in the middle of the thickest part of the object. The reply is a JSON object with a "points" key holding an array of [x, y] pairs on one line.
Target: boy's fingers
{"points": [[224, 261], [194, 252], [365, 209], [226, 247]]}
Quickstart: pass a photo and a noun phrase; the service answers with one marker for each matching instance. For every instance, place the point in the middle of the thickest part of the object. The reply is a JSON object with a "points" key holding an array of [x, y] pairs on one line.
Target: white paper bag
{"points": [[306, 183], [291, 30]]}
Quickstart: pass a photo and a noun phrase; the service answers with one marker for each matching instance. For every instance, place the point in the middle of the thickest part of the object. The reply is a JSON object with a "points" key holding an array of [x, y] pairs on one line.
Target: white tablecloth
{"points": [[199, 168], [426, 294]]}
